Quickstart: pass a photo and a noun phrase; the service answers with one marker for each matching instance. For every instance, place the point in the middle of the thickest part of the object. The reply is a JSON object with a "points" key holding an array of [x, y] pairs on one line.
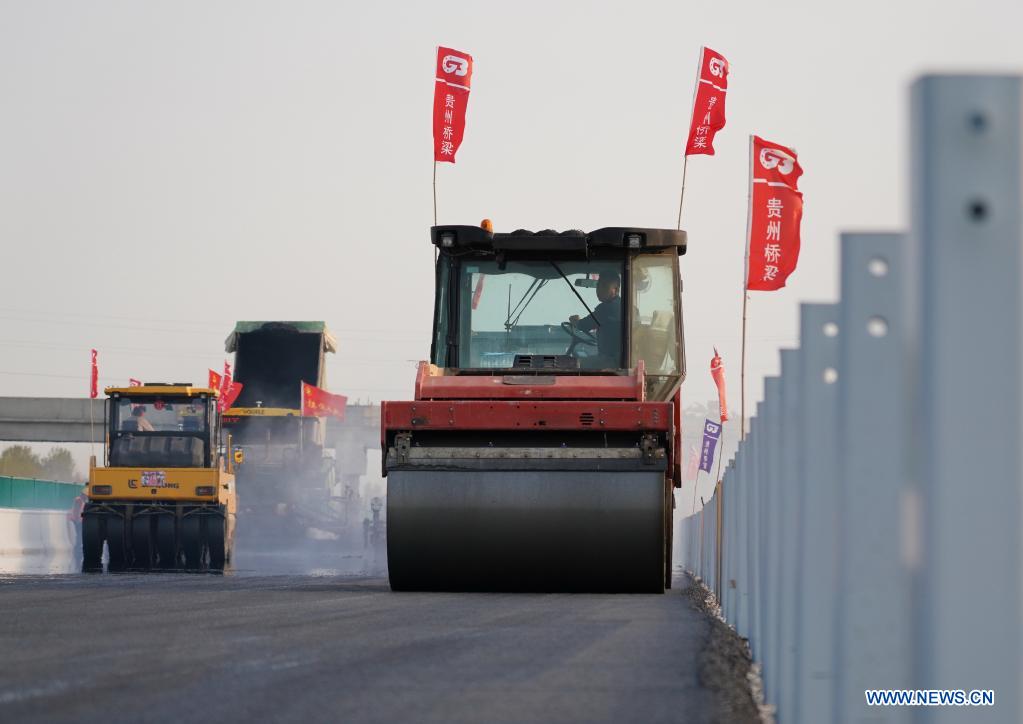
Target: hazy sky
{"points": [[167, 168]]}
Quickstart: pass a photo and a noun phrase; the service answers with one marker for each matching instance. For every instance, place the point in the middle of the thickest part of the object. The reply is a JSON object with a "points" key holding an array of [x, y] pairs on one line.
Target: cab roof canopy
{"points": [[161, 389], [329, 342], [610, 237]]}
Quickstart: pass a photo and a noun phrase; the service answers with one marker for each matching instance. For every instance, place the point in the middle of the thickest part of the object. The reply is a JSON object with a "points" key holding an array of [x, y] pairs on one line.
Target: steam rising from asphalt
{"points": [[285, 546]]}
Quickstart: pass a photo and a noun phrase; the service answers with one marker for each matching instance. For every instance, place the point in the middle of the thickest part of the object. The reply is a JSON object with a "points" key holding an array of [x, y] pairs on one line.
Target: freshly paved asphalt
{"points": [[340, 647]]}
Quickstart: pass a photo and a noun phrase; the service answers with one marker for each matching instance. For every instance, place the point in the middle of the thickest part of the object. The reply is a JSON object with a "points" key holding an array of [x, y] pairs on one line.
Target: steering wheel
{"points": [[578, 337]]}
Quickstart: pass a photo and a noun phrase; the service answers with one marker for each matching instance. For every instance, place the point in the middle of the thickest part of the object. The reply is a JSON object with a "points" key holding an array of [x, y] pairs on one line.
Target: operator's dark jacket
{"points": [[609, 333]]}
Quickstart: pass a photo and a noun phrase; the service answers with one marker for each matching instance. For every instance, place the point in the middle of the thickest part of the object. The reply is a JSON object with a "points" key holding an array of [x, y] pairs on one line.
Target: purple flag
{"points": [[711, 435]]}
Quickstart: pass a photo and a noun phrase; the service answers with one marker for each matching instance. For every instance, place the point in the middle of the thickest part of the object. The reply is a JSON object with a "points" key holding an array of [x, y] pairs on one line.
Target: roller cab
{"points": [[541, 447], [165, 496]]}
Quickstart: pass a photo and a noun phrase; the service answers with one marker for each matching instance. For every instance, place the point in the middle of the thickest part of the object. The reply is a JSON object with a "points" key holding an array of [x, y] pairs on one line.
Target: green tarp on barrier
{"points": [[26, 494]]}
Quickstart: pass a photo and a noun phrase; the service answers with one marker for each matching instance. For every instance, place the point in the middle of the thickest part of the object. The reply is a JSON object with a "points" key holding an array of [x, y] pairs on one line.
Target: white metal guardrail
{"points": [[867, 533]]}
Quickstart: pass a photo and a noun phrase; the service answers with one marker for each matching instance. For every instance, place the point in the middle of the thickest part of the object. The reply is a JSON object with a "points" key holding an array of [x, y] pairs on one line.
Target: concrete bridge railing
{"points": [[867, 533]]}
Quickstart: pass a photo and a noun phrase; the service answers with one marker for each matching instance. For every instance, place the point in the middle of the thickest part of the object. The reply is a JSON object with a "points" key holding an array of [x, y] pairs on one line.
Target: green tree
{"points": [[19, 461], [59, 464]]}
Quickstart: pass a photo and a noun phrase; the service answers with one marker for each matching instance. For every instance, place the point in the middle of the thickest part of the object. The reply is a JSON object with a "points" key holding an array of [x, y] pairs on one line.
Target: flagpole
{"points": [[434, 192], [695, 481], [92, 430], [742, 414], [682, 196], [721, 451], [745, 295]]}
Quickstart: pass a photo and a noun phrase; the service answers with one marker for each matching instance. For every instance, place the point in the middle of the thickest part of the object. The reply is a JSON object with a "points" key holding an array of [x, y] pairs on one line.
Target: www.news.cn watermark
{"points": [[930, 697]]}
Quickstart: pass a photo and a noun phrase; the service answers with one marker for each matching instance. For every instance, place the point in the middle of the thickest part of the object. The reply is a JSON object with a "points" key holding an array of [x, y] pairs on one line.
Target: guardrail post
{"points": [[816, 576], [788, 523], [873, 592], [756, 543], [967, 226], [740, 537], [770, 514]]}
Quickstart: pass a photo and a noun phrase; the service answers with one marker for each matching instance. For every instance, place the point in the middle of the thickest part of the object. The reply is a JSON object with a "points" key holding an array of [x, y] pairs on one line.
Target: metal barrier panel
{"points": [[966, 245], [873, 613], [816, 575], [30, 494]]}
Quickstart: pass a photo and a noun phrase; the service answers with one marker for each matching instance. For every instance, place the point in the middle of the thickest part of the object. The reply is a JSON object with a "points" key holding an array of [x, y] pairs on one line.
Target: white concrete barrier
{"points": [[30, 532]]}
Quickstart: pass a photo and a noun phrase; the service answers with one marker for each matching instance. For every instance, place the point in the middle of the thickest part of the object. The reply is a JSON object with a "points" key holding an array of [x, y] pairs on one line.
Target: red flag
{"points": [[214, 381], [132, 382], [234, 390], [478, 292], [94, 377], [775, 213], [450, 100], [717, 371], [225, 388], [693, 465], [709, 103], [320, 403]]}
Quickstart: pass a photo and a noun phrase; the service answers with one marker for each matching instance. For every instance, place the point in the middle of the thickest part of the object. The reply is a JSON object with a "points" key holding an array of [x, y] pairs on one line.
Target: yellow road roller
{"points": [[164, 498]]}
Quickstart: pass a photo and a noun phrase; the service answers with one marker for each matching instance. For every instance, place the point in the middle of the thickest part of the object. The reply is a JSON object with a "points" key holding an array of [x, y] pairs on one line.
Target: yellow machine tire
{"points": [[167, 542], [143, 550], [216, 538], [191, 542], [116, 544], [92, 543]]}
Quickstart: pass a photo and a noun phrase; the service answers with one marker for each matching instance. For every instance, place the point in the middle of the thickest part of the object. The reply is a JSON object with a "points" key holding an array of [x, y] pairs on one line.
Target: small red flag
{"points": [[478, 291], [94, 377], [709, 103], [214, 381], [320, 403], [132, 382], [717, 371], [450, 101], [693, 464], [226, 386], [230, 396], [775, 213]]}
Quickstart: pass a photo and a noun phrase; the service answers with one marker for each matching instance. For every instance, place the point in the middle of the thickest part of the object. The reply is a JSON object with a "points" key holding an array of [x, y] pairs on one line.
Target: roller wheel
{"points": [[116, 544], [191, 542], [166, 542], [142, 541], [92, 544], [217, 541]]}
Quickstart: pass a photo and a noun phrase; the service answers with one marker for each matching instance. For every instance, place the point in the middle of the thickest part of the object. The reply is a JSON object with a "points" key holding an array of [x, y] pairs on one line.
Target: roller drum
{"points": [[527, 529]]}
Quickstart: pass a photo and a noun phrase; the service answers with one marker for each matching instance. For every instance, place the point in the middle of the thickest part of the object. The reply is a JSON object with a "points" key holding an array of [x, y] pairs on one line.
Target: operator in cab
{"points": [[605, 323]]}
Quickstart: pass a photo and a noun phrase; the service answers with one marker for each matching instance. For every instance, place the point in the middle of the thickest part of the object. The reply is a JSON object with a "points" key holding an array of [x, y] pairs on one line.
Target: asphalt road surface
{"points": [[339, 646]]}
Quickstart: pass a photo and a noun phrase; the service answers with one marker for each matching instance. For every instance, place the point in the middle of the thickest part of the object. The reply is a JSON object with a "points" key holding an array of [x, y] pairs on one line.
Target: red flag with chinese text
{"points": [[775, 214], [320, 403], [230, 395], [708, 104], [227, 392], [214, 381], [450, 101], [94, 376], [717, 372]]}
